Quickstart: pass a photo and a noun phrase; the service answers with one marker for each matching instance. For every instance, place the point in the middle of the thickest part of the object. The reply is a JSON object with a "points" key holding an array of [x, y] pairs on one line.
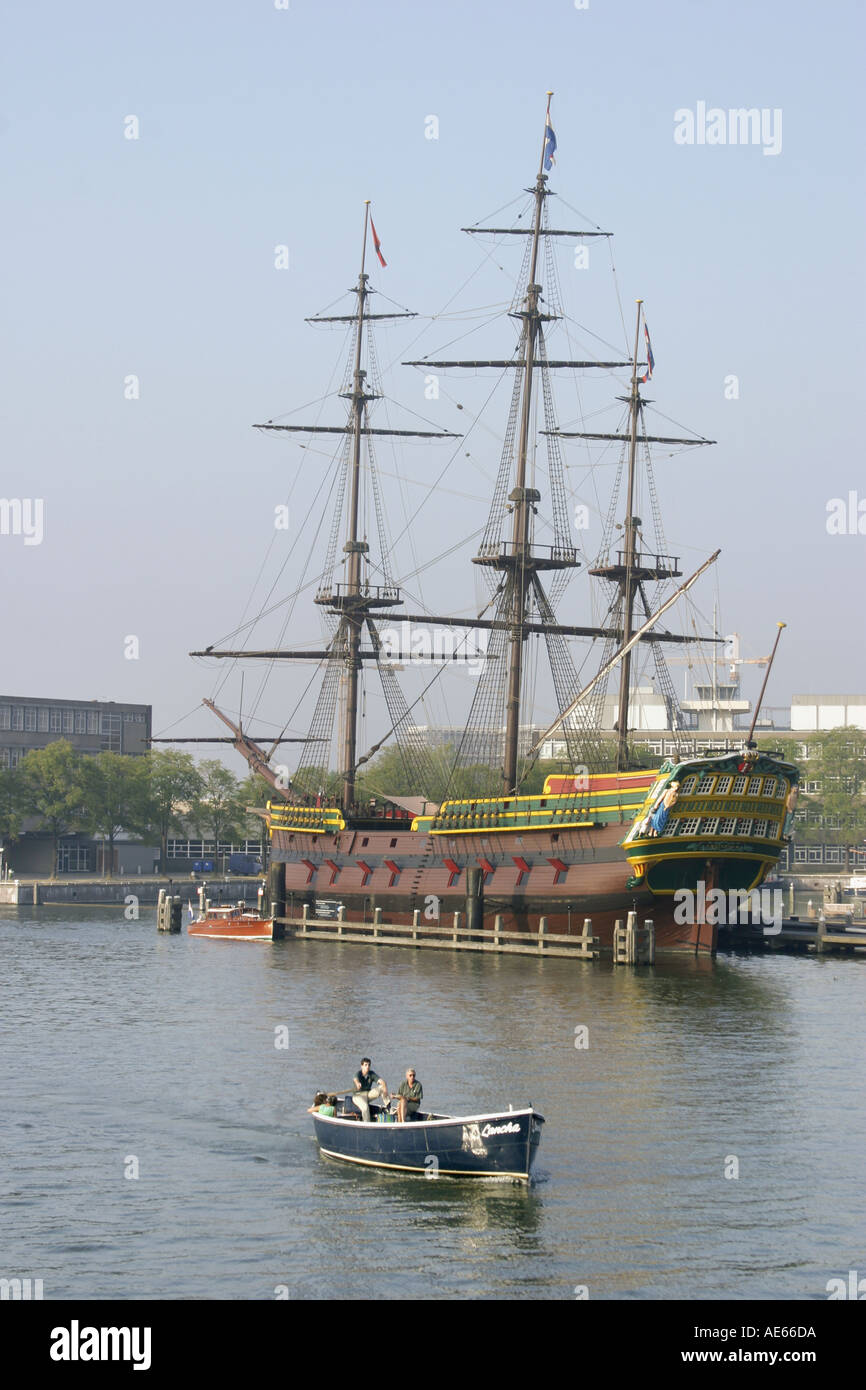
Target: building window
{"points": [[769, 786], [74, 859], [5, 717], [17, 717], [30, 718], [705, 785], [740, 785], [727, 825], [709, 825], [93, 721], [69, 721], [832, 854], [744, 827], [56, 722], [81, 721], [43, 719], [724, 786], [799, 854], [815, 854], [110, 729]]}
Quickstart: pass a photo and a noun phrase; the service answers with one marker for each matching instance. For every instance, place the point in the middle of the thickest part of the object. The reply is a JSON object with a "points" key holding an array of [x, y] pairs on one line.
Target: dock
{"points": [[633, 942]]}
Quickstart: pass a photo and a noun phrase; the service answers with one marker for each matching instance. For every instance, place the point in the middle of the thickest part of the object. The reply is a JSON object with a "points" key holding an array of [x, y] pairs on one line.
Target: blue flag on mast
{"points": [[650, 360], [549, 146]]}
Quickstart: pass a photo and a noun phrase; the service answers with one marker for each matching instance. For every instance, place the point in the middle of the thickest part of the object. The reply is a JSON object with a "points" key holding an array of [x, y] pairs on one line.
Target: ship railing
{"points": [[567, 554], [379, 593]]}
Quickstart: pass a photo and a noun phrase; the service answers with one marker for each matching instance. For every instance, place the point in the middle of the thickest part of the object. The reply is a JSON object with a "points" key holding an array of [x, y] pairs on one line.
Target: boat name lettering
{"points": [[507, 1128]]}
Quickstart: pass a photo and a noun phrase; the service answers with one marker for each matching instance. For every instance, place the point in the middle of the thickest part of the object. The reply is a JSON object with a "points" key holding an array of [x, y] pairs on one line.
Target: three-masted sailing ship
{"points": [[597, 840]]}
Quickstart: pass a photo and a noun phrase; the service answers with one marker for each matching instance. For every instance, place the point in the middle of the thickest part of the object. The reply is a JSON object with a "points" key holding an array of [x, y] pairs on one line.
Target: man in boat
{"points": [[410, 1093], [368, 1086]]}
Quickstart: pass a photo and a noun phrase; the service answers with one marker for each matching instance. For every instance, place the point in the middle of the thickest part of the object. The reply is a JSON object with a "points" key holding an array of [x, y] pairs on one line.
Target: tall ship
{"points": [[605, 832]]}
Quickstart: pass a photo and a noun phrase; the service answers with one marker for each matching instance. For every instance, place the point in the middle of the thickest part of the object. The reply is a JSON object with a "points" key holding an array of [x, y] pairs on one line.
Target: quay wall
{"points": [[94, 892]]}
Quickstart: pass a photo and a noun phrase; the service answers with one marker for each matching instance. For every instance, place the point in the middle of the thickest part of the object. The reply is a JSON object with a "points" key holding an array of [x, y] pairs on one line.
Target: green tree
{"points": [[10, 805], [53, 790], [116, 793], [218, 811], [257, 791], [174, 784], [839, 768]]}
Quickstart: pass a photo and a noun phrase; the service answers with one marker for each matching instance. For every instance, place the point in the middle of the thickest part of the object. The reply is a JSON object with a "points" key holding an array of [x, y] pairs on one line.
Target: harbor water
{"points": [[705, 1135]]}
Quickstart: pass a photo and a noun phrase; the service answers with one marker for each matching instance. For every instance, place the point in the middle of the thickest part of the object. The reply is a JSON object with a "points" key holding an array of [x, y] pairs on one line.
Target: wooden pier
{"points": [[455, 937], [798, 935], [634, 943]]}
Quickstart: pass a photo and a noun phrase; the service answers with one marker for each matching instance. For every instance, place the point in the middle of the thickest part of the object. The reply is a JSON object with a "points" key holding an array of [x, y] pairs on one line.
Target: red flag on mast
{"points": [[377, 243]]}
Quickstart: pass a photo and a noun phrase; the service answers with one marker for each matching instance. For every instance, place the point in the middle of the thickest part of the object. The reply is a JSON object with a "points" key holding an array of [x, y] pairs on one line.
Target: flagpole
{"points": [[364, 246]]}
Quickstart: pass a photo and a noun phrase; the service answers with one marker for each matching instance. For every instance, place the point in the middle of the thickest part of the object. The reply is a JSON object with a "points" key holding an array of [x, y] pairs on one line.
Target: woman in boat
{"points": [[323, 1104]]}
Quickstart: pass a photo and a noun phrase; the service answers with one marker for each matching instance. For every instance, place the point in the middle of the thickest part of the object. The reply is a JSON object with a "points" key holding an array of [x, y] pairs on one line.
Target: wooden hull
{"points": [[571, 874], [233, 929]]}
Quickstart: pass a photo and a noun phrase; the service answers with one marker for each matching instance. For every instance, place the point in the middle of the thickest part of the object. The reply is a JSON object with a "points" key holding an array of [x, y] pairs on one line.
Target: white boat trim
{"points": [[431, 1124]]}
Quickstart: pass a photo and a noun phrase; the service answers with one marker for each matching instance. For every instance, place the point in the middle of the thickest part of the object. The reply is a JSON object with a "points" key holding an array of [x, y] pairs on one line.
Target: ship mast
{"points": [[354, 601], [354, 548], [522, 497], [628, 581]]}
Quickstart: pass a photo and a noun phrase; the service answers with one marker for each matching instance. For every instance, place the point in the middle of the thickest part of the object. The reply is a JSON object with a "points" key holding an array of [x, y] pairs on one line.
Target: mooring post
{"points": [[820, 934], [175, 923], [474, 901], [416, 918], [36, 895], [305, 917], [160, 910], [586, 937], [377, 920], [456, 926], [649, 928], [631, 947], [542, 928], [341, 917], [497, 928], [276, 897], [618, 942]]}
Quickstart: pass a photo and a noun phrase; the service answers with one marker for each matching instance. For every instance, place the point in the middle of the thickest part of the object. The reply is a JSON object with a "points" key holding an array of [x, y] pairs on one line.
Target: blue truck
{"points": [[246, 865]]}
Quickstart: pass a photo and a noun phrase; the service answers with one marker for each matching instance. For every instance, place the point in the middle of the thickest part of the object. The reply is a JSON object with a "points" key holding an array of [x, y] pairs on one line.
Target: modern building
{"points": [[817, 713], [90, 726], [29, 723]]}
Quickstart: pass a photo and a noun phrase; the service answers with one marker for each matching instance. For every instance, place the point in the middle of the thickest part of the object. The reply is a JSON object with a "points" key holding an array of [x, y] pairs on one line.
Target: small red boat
{"points": [[233, 924]]}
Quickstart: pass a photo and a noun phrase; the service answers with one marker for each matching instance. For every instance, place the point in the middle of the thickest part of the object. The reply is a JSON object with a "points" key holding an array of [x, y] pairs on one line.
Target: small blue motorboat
{"points": [[501, 1144]]}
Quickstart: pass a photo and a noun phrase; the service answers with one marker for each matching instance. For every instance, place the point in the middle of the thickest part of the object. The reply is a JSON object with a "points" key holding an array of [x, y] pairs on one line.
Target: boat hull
{"points": [[572, 874], [234, 929], [500, 1145]]}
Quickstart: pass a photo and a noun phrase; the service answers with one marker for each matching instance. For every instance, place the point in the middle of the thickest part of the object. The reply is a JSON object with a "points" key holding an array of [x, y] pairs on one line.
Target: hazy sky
{"points": [[261, 126]]}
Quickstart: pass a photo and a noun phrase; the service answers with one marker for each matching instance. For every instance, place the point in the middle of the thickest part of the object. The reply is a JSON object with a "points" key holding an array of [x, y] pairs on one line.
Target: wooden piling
{"points": [[276, 899]]}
